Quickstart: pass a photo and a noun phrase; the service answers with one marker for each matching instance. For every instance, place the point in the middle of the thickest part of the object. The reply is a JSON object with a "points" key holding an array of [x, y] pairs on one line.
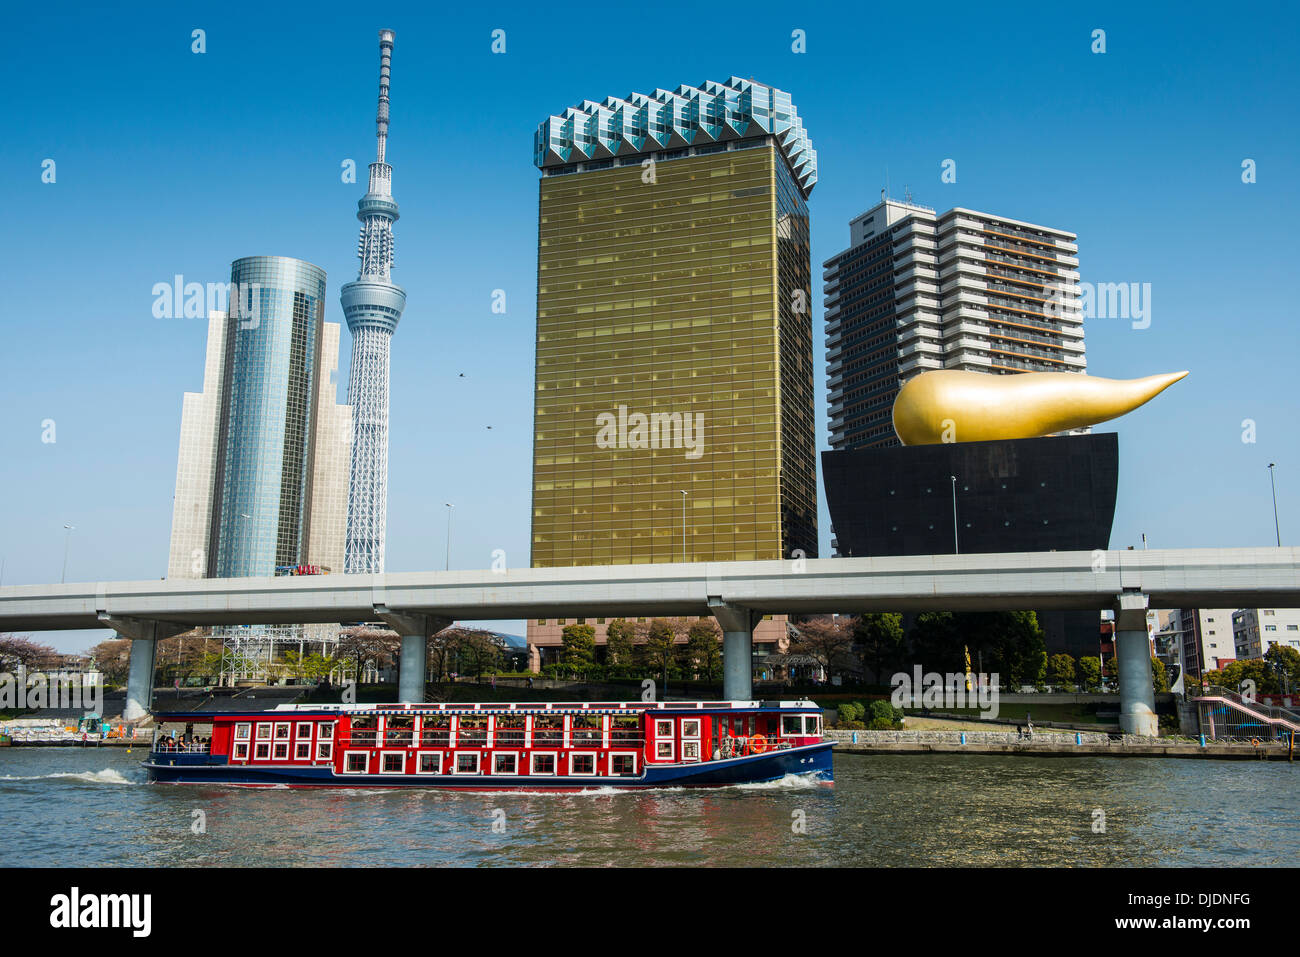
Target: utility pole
{"points": [[955, 549], [1276, 528], [449, 508], [683, 491], [67, 543]]}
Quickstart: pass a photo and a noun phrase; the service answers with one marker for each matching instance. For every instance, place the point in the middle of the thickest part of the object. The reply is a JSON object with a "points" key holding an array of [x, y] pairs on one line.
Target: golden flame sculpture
{"points": [[949, 405]]}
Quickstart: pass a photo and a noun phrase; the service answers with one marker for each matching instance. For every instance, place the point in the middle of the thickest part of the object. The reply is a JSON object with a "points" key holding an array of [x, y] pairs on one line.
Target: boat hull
{"points": [[812, 760]]}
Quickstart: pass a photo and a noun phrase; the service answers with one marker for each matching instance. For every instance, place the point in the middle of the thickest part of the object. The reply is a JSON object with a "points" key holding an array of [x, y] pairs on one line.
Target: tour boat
{"points": [[512, 747]]}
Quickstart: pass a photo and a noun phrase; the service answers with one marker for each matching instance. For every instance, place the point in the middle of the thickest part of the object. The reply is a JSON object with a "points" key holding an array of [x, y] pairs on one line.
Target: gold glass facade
{"points": [[674, 353]]}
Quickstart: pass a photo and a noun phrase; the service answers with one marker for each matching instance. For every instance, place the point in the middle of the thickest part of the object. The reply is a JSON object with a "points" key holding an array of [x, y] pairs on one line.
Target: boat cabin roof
{"points": [[299, 711]]}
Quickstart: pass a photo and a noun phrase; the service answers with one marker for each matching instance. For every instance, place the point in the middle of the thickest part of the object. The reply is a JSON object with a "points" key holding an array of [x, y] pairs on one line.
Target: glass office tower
{"points": [[674, 335], [264, 463]]}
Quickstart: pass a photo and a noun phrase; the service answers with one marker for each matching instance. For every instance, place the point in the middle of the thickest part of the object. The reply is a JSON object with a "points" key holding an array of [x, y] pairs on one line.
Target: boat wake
{"points": [[799, 782], [106, 776]]}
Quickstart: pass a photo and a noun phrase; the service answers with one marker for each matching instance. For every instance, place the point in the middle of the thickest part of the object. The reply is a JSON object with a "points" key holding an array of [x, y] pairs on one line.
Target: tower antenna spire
{"points": [[385, 68]]}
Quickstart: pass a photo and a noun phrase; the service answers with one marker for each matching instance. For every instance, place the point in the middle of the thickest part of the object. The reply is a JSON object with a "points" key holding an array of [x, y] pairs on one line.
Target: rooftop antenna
{"points": [[907, 194]]}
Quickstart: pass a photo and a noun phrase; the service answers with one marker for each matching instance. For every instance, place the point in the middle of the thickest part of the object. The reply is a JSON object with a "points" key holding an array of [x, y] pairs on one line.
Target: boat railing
{"points": [[510, 738], [194, 747]]}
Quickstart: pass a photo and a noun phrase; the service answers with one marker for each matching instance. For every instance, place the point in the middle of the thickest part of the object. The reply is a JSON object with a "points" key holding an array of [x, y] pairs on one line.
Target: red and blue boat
{"points": [[484, 747]]}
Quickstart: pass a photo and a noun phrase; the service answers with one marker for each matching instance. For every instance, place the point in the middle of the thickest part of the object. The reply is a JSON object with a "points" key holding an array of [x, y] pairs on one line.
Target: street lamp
{"points": [[67, 542], [449, 508], [1276, 529], [955, 549], [683, 491]]}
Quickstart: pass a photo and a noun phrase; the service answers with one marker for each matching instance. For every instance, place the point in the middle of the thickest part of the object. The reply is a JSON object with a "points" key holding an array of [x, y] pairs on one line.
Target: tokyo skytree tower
{"points": [[372, 306]]}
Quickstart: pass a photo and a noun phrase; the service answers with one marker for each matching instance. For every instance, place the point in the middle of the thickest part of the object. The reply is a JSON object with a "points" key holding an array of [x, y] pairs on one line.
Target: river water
{"points": [[92, 807]]}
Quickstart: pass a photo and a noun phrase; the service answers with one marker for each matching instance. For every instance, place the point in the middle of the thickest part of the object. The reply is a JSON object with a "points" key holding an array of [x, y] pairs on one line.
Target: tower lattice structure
{"points": [[373, 306]]}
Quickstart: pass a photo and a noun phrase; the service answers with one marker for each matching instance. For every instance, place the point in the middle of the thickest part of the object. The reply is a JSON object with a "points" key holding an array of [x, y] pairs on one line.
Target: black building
{"points": [[1017, 495]]}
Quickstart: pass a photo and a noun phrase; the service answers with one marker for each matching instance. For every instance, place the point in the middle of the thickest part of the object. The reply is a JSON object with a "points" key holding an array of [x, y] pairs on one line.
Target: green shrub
{"points": [[886, 715], [850, 711]]}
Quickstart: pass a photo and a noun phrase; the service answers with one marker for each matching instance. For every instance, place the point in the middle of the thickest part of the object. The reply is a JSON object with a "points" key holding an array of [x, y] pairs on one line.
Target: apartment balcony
{"points": [[965, 359], [964, 327], [918, 363], [926, 346]]}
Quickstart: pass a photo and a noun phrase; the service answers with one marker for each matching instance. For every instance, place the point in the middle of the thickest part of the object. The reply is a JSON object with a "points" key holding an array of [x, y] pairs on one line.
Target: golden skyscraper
{"points": [[674, 331]]}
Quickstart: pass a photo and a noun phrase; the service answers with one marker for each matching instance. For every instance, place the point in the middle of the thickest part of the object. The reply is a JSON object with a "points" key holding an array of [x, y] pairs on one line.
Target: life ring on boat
{"points": [[758, 744], [1254, 742]]}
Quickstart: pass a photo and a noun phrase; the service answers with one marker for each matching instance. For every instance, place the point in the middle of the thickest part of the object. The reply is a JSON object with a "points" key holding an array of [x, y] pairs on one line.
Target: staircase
{"points": [[1226, 714]]}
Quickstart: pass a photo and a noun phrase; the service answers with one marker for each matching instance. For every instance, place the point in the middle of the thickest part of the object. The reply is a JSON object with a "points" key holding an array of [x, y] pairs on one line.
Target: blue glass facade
{"points": [[262, 495]]}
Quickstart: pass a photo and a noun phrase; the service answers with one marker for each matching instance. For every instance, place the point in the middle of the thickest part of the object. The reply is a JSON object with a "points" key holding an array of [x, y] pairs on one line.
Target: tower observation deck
{"points": [[372, 306]]}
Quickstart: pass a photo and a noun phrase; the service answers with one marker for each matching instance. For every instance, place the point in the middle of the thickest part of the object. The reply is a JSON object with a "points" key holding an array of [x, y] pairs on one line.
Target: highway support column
{"points": [[1137, 712], [144, 635], [738, 625], [415, 629]]}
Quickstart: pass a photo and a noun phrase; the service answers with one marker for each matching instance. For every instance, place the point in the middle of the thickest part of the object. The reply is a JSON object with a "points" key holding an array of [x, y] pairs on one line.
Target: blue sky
{"points": [[170, 162]]}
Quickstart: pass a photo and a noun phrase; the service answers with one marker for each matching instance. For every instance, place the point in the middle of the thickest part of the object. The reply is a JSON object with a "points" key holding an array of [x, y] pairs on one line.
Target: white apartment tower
{"points": [[919, 290]]}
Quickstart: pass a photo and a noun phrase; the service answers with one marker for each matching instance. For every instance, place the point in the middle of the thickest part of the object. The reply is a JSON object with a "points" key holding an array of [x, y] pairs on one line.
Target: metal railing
{"points": [[1267, 711], [1226, 714], [194, 747]]}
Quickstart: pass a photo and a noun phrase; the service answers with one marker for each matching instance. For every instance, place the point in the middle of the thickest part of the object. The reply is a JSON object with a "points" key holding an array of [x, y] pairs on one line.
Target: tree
{"points": [[1159, 677], [183, 656], [879, 639], [618, 643], [827, 640], [703, 650], [660, 640], [1090, 672], [579, 646], [1284, 665], [935, 643], [16, 651], [479, 651], [363, 645], [113, 659], [1060, 669]]}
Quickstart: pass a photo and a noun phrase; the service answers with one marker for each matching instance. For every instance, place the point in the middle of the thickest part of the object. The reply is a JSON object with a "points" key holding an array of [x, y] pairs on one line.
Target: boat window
{"points": [[625, 729], [304, 729], [398, 730], [354, 762], [282, 730], [664, 750], [394, 762], [587, 730], [281, 752], [263, 732], [327, 731], [365, 730], [543, 763], [582, 764], [302, 751], [791, 724], [467, 763], [505, 763], [471, 731], [812, 724], [242, 731], [324, 751], [435, 730], [263, 751], [510, 730], [622, 764], [430, 764], [690, 727], [663, 729], [241, 752], [690, 750], [548, 729]]}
